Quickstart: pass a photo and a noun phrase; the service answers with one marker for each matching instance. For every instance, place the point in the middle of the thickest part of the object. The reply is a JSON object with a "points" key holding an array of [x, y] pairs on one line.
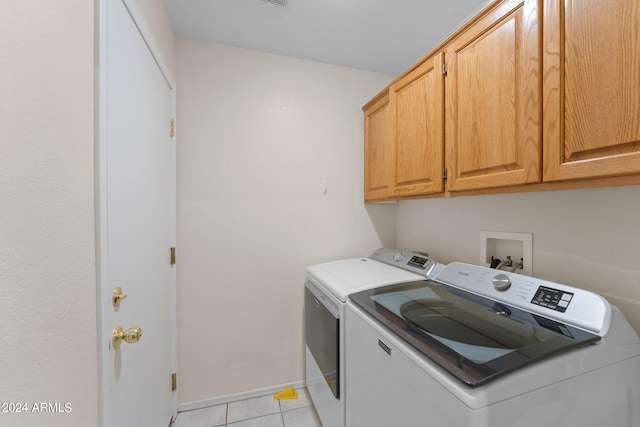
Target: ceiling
{"points": [[385, 36]]}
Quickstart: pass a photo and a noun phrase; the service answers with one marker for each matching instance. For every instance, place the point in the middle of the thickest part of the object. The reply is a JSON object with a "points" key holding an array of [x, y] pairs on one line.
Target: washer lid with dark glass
{"points": [[475, 338]]}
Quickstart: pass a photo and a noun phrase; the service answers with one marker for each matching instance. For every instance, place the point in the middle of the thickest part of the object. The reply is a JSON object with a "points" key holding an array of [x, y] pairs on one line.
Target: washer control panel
{"points": [[414, 262], [564, 303], [419, 262], [554, 299]]}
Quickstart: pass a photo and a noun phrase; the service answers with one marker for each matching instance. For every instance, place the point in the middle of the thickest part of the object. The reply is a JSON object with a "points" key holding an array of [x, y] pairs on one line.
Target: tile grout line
{"points": [[281, 412]]}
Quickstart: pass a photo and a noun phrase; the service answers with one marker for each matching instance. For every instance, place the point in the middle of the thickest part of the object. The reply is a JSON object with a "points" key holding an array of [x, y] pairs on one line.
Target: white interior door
{"points": [[137, 222]]}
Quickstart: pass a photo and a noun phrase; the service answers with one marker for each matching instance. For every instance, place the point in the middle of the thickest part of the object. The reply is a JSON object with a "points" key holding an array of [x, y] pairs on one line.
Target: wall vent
{"points": [[278, 2]]}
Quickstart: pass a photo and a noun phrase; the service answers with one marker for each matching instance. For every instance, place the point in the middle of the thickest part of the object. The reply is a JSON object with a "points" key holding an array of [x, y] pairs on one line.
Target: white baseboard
{"points": [[199, 404]]}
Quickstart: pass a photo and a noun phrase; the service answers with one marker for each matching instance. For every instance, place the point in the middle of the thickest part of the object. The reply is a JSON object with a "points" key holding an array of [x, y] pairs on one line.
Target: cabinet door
{"points": [[591, 88], [493, 100], [417, 103], [378, 150]]}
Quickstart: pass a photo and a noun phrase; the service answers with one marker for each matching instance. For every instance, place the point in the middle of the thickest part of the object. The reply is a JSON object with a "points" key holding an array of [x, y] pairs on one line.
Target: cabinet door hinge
{"points": [[444, 173], [174, 381], [172, 128], [173, 256], [445, 68]]}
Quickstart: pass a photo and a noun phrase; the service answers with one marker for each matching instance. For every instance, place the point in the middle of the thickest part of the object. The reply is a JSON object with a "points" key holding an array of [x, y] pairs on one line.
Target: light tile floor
{"points": [[262, 411]]}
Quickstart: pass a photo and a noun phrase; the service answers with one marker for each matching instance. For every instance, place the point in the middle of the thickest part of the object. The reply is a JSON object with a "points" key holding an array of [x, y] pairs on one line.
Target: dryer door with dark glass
{"points": [[321, 336]]}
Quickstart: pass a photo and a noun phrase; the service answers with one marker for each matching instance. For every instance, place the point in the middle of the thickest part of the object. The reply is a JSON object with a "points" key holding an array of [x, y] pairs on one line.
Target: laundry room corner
{"points": [[270, 173]]}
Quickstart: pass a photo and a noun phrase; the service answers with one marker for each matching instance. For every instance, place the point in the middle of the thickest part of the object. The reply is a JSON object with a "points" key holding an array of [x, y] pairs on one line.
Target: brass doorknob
{"points": [[117, 296], [131, 335]]}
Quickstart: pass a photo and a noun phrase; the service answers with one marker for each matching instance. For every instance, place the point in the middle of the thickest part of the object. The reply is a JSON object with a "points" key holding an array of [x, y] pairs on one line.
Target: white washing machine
{"points": [[474, 348], [327, 288]]}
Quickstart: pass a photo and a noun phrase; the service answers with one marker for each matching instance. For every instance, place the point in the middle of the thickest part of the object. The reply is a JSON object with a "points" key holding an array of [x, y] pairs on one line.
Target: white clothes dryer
{"points": [[327, 287]]}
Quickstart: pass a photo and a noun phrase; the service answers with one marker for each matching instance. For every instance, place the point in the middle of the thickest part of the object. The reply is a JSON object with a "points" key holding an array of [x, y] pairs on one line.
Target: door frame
{"points": [[103, 291]]}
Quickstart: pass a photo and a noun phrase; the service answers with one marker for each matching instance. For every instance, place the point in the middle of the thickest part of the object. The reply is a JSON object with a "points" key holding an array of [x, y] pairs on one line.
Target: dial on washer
{"points": [[398, 256], [501, 282]]}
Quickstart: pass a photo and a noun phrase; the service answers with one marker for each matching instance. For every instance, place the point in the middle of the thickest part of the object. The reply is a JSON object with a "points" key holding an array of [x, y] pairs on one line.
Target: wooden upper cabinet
{"points": [[591, 88], [378, 150], [417, 105], [493, 110]]}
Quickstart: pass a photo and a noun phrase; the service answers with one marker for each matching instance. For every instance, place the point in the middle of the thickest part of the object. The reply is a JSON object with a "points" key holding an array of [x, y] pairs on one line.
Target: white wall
{"points": [[48, 307], [585, 238], [47, 268], [258, 133]]}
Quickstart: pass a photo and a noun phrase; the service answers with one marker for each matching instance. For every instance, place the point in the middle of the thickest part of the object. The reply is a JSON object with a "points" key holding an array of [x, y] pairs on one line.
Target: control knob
{"points": [[398, 256], [501, 282]]}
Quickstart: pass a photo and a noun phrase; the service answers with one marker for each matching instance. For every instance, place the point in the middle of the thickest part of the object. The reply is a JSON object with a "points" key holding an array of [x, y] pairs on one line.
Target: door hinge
{"points": [[172, 128], [444, 173], [173, 256], [174, 381], [445, 68]]}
